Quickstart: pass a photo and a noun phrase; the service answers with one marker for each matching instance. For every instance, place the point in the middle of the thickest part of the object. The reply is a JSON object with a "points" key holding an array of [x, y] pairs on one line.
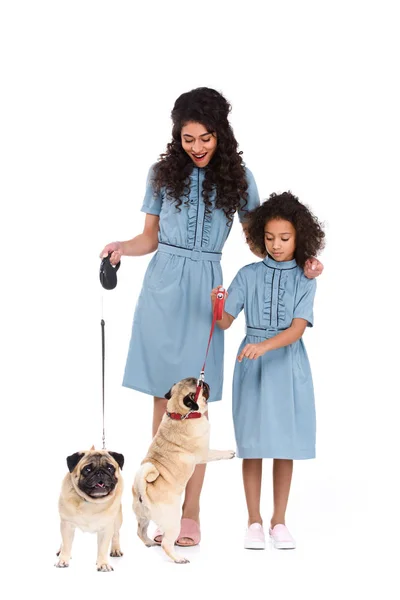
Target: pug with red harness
{"points": [[181, 443]]}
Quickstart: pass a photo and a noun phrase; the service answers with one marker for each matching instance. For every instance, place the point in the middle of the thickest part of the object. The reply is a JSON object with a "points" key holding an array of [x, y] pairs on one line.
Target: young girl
{"points": [[273, 398]]}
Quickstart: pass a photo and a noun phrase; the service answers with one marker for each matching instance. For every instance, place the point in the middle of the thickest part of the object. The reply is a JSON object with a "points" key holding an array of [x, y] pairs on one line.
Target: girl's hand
{"points": [[253, 351], [313, 268], [116, 249], [214, 293]]}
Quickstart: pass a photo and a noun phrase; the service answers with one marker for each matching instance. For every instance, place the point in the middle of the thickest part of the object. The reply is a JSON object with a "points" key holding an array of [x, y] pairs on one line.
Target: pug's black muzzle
{"points": [[99, 483]]}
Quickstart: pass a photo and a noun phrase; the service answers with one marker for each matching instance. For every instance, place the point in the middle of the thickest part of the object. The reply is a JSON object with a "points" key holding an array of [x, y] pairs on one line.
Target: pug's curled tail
{"points": [[145, 475]]}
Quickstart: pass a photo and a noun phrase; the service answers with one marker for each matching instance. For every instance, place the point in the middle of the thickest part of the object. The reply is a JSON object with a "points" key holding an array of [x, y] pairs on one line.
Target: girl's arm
{"points": [[227, 319], [144, 243], [285, 338]]}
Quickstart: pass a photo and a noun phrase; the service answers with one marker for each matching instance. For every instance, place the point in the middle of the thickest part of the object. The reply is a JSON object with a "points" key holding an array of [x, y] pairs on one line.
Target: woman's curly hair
{"points": [[310, 237], [225, 173]]}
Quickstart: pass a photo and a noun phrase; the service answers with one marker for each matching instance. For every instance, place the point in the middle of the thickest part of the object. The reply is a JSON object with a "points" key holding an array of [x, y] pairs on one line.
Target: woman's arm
{"points": [[285, 338], [144, 243]]}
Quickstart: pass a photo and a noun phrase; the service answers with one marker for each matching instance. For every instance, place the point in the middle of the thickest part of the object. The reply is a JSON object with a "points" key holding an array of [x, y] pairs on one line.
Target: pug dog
{"points": [[181, 443], [91, 500]]}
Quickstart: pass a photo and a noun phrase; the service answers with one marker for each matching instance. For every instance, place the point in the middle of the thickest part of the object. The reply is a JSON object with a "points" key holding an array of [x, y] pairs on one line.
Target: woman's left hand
{"points": [[252, 351], [313, 268]]}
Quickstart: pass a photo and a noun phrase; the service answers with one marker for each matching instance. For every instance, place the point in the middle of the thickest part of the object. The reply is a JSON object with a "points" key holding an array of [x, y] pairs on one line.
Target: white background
{"points": [[87, 90]]}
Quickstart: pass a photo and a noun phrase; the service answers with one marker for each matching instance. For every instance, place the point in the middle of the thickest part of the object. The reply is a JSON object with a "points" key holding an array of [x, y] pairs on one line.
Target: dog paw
{"points": [[228, 454], [151, 543], [62, 564], [116, 553], [181, 560], [105, 567]]}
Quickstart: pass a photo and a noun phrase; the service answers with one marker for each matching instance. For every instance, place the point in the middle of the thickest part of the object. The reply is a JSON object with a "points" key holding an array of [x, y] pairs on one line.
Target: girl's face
{"points": [[280, 239], [198, 143]]}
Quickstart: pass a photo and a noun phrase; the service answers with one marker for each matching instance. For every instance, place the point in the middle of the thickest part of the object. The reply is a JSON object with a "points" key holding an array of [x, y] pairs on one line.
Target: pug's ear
{"points": [[73, 460], [190, 403], [119, 458], [169, 394], [206, 390]]}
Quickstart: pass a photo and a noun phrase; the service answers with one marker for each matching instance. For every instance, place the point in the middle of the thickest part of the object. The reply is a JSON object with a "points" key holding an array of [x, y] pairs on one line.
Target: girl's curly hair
{"points": [[309, 232], [225, 173]]}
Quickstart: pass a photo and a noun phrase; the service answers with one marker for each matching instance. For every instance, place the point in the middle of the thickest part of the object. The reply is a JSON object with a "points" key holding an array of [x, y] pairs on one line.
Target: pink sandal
{"points": [[157, 534], [191, 530]]}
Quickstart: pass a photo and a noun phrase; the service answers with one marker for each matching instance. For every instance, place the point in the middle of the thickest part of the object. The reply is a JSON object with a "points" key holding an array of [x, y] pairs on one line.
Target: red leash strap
{"points": [[217, 315]]}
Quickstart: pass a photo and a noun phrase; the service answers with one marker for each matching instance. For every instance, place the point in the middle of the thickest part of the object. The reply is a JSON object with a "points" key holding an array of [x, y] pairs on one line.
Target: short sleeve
{"points": [[304, 300], [152, 200], [253, 198], [236, 295]]}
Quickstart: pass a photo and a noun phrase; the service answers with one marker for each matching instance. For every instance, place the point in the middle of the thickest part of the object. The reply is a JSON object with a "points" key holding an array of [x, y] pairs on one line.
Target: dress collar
{"points": [[283, 265]]}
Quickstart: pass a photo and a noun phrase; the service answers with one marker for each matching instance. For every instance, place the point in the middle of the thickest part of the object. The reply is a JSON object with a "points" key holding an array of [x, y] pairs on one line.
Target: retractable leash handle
{"points": [[217, 315], [219, 303], [108, 273]]}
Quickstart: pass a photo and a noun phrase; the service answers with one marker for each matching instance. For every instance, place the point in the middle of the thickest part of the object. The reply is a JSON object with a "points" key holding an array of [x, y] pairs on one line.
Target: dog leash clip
{"points": [[200, 385], [200, 380]]}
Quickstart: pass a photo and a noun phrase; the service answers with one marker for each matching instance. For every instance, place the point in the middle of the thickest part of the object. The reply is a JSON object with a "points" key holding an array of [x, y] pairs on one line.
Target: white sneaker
{"points": [[281, 538], [255, 537]]}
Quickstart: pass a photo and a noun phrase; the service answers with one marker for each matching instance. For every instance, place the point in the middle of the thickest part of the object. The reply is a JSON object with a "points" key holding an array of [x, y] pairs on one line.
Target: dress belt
{"points": [[195, 254], [265, 333]]}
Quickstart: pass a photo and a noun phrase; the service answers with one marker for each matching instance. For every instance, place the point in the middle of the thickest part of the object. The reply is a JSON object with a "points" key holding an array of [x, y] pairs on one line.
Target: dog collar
{"points": [[179, 417]]}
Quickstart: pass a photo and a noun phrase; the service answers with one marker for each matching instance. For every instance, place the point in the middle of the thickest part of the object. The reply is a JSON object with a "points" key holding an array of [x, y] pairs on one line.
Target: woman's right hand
{"points": [[116, 252]]}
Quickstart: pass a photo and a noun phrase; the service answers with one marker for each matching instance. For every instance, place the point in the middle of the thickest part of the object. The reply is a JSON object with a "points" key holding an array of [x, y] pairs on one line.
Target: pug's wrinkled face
{"points": [[96, 472], [182, 394]]}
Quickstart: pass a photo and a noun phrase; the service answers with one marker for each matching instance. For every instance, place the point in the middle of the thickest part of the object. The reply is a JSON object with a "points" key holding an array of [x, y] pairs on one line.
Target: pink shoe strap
{"points": [[191, 530]]}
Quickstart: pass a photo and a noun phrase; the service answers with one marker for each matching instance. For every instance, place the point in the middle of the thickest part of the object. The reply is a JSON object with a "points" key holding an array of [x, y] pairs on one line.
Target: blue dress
{"points": [[273, 397], [173, 314]]}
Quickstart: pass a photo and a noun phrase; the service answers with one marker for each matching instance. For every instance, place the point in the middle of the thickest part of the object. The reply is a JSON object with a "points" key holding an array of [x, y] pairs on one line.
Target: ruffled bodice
{"points": [[190, 225], [272, 294]]}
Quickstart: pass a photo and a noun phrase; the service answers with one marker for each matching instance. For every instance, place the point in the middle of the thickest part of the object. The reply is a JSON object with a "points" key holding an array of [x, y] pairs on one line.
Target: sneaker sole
{"points": [[283, 545], [254, 546]]}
